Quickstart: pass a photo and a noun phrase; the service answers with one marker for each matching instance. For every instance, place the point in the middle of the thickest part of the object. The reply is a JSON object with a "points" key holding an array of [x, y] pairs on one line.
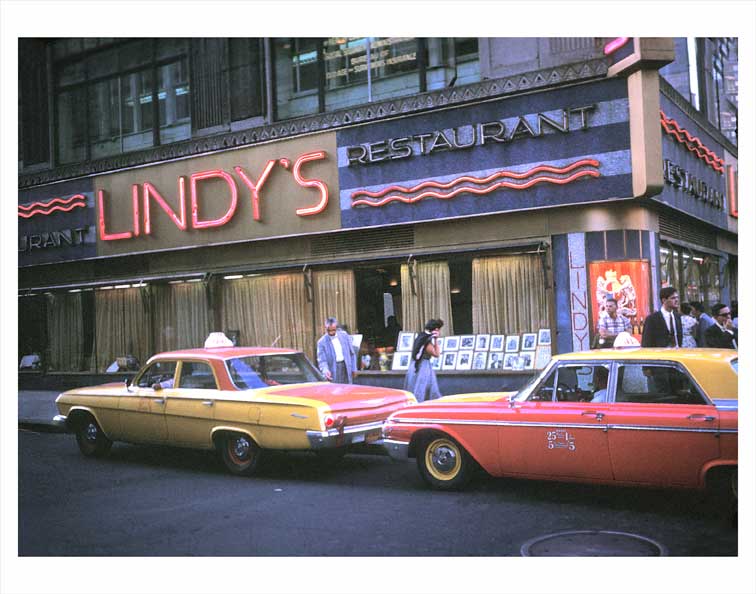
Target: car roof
{"points": [[223, 353], [711, 368]]}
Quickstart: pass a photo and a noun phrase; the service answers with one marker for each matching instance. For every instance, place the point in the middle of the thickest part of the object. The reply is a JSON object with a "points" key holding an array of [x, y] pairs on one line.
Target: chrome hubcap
{"points": [[91, 432], [241, 447], [444, 459]]}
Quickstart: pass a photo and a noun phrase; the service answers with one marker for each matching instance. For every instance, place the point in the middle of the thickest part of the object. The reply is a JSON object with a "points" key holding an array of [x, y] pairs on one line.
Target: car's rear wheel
{"points": [[240, 454], [92, 441], [443, 463]]}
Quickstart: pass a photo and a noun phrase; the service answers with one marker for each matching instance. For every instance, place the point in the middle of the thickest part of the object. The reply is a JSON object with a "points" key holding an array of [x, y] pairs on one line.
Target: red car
{"points": [[653, 417]]}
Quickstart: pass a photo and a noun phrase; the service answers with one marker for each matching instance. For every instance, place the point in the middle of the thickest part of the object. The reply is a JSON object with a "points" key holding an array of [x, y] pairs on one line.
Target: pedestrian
{"points": [[391, 333], [663, 328], [689, 327], [611, 324], [734, 311], [421, 377], [705, 321], [336, 359], [722, 335]]}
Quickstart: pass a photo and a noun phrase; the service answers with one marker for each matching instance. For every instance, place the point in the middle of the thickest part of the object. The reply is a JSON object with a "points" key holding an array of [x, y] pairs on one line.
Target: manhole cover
{"points": [[592, 543]]}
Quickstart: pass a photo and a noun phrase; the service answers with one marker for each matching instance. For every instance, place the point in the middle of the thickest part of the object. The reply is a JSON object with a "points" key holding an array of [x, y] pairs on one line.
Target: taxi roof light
{"points": [[625, 340]]}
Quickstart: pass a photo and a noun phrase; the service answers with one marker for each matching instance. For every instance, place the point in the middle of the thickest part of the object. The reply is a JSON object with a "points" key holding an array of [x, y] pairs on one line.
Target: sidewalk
{"points": [[36, 409]]}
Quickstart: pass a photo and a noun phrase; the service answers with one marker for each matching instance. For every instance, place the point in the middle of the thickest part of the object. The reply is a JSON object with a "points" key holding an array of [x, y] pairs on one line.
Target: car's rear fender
{"points": [[712, 472], [217, 432]]}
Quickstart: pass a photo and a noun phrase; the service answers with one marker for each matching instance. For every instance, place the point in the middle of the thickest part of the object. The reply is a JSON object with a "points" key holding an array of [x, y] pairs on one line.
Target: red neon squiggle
{"points": [[44, 205], [483, 180], [478, 191], [615, 44], [692, 143], [52, 210]]}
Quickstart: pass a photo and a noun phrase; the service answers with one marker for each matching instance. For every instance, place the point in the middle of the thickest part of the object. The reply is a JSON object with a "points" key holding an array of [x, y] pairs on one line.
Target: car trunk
{"points": [[359, 404]]}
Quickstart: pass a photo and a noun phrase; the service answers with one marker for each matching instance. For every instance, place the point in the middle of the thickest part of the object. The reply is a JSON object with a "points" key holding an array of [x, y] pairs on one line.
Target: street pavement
{"points": [[36, 408]]}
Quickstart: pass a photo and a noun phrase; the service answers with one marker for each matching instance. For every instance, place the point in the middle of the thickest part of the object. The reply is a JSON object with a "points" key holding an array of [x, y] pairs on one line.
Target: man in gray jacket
{"points": [[336, 359], [705, 321]]}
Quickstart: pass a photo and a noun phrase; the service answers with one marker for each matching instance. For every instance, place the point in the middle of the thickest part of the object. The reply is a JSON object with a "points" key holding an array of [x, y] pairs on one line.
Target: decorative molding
{"points": [[398, 107]]}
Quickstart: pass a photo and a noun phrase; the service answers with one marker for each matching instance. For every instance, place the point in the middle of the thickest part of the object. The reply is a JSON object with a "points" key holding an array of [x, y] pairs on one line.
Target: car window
{"points": [[656, 384], [197, 375], [574, 383], [160, 372], [734, 364], [252, 372]]}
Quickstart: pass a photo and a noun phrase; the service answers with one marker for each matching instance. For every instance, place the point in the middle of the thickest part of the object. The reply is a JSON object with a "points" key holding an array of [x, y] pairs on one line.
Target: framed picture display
{"points": [[497, 342], [496, 360], [467, 341], [451, 343], [401, 361], [479, 360], [542, 356], [527, 359], [509, 360], [482, 342], [529, 341], [464, 360], [436, 362], [544, 337], [404, 341], [449, 360], [513, 343], [440, 342]]}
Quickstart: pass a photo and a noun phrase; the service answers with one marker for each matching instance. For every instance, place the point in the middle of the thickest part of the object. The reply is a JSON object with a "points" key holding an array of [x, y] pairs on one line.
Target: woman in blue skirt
{"points": [[421, 377]]}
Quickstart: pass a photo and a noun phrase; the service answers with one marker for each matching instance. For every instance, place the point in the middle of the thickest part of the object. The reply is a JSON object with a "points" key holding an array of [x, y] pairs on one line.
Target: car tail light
{"points": [[328, 421]]}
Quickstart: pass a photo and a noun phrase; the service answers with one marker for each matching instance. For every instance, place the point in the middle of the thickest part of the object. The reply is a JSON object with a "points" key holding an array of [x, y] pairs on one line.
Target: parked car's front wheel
{"points": [[240, 454], [92, 441], [443, 463]]}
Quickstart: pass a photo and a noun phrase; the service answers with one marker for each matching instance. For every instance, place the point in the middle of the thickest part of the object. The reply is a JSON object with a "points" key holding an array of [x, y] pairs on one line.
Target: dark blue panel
{"points": [[646, 239], [598, 140], [560, 265], [542, 195], [632, 243], [615, 245], [594, 246]]}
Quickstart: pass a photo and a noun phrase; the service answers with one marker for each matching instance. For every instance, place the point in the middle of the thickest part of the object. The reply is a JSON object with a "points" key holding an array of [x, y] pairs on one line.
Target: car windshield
{"points": [[524, 392], [249, 373]]}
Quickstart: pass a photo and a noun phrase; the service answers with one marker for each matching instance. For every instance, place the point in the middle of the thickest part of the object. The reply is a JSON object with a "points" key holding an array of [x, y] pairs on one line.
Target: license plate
{"points": [[358, 438]]}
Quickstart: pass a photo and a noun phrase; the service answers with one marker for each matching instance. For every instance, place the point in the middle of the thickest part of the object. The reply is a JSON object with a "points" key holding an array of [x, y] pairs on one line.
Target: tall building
{"points": [[173, 187]]}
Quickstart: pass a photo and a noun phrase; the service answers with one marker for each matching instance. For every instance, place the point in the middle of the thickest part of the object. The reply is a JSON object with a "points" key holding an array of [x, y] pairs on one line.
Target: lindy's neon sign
{"points": [[142, 197]]}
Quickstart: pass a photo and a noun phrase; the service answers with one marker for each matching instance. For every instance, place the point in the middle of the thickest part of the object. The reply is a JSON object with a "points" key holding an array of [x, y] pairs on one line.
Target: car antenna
{"points": [[275, 341]]}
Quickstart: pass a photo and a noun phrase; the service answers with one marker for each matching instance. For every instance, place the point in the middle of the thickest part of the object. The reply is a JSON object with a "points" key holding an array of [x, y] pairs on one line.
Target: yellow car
{"points": [[238, 401]]}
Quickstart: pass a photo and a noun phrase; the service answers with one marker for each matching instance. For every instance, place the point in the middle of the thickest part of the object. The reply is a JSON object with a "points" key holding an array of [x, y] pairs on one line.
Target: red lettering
{"points": [[196, 177], [575, 299], [311, 183], [151, 191], [104, 235], [255, 188], [582, 317], [582, 339]]}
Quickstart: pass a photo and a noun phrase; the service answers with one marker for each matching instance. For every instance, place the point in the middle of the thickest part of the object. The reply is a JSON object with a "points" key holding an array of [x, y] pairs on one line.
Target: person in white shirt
{"points": [[336, 358]]}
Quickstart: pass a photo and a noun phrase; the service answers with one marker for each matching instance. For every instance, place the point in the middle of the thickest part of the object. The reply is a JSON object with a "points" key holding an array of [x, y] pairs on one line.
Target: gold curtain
{"points": [[269, 309], [335, 295], [65, 325], [191, 314], [509, 295], [431, 299], [121, 325], [164, 318]]}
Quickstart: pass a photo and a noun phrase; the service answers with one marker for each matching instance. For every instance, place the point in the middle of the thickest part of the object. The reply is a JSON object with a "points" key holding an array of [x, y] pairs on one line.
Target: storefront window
{"points": [[694, 274]]}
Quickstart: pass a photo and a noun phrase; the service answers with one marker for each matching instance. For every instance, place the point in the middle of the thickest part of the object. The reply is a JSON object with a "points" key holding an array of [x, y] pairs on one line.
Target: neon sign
{"points": [[26, 211], [141, 222]]}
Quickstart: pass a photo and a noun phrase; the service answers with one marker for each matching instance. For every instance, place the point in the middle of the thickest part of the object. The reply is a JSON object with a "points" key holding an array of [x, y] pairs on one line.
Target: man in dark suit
{"points": [[722, 335], [663, 328]]}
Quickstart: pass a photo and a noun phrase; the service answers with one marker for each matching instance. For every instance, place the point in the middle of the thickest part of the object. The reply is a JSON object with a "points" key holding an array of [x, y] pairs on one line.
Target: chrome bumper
{"points": [[60, 421], [335, 438], [398, 450]]}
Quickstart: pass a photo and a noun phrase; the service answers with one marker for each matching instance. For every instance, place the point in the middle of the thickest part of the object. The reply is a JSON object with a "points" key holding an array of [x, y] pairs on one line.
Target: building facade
{"points": [[173, 187]]}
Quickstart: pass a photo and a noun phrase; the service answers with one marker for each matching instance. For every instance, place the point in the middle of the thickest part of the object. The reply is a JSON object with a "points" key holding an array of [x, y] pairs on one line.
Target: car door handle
{"points": [[159, 400], [208, 402], [592, 413], [701, 418]]}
